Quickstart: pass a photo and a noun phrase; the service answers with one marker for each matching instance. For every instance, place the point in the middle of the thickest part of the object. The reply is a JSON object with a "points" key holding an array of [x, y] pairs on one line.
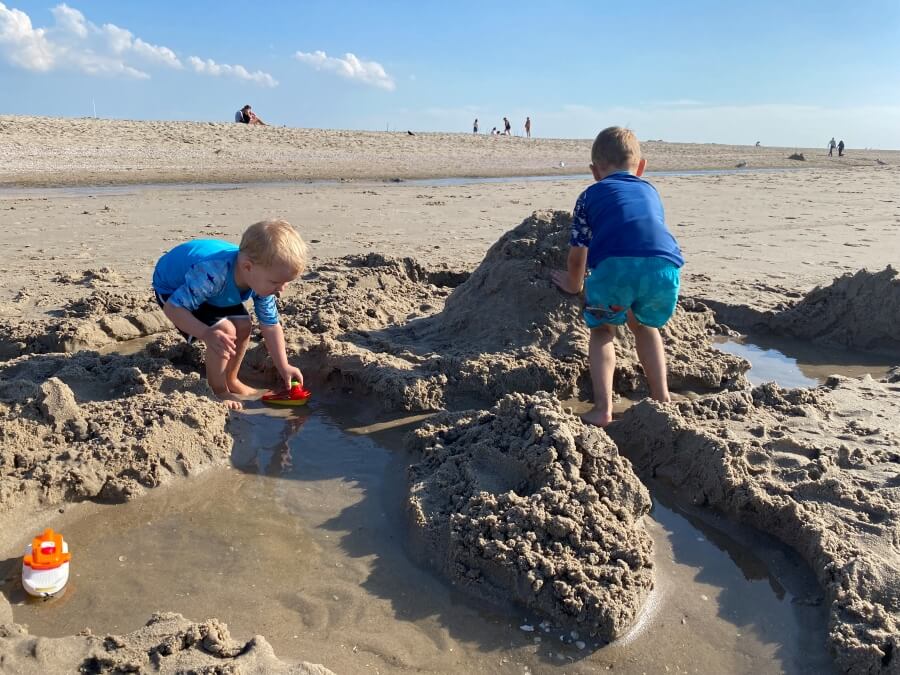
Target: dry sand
{"points": [[77, 271], [85, 151]]}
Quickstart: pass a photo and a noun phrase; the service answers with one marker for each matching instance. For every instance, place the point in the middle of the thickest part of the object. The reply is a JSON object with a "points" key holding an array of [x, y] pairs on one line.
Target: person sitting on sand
{"points": [[246, 116], [619, 233], [202, 286]]}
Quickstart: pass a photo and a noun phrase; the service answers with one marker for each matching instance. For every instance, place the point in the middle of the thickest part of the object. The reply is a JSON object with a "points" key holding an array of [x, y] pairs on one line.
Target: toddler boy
{"points": [[619, 234], [202, 286]]}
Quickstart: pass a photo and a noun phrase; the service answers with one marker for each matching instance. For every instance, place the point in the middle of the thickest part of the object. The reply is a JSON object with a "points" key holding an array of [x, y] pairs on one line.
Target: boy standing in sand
{"points": [[202, 286], [619, 234]]}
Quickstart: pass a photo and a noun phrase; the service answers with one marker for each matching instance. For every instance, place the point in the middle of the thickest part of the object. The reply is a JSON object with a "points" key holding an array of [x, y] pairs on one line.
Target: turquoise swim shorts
{"points": [[646, 286]]}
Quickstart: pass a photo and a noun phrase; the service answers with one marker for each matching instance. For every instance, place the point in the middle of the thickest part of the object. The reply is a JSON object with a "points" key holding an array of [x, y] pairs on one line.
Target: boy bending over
{"points": [[202, 286], [619, 233]]}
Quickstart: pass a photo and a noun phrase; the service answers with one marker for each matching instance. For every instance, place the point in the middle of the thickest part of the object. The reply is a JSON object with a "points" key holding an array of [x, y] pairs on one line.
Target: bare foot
{"points": [[240, 389], [597, 417], [230, 401]]}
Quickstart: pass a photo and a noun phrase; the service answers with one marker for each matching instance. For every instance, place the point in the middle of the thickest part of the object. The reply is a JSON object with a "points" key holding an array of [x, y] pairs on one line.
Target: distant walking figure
{"points": [[831, 146], [506, 127], [841, 148], [475, 126], [528, 127]]}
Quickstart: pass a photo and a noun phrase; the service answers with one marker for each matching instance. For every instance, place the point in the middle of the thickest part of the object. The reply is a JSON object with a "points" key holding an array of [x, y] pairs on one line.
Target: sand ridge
{"points": [[385, 327], [818, 469]]}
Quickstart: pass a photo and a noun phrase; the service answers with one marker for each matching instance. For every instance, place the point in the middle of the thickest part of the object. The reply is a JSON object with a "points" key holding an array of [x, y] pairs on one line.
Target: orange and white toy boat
{"points": [[45, 567]]}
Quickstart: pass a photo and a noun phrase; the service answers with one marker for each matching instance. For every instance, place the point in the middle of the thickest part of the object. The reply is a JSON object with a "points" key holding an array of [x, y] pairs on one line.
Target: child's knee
{"points": [[242, 329]]}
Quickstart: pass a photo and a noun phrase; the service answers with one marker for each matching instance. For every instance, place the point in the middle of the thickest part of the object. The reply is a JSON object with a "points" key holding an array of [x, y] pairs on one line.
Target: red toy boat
{"points": [[296, 395]]}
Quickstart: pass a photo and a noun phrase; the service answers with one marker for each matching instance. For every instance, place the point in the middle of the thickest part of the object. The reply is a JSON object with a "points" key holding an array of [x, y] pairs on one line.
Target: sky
{"points": [[790, 73]]}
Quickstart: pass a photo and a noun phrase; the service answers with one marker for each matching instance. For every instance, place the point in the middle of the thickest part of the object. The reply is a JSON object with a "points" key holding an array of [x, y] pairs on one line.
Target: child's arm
{"points": [[571, 280], [273, 334], [219, 341]]}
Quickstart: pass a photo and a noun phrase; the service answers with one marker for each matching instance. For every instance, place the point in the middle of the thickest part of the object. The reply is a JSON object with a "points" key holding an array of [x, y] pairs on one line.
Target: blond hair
{"points": [[616, 147], [273, 242]]}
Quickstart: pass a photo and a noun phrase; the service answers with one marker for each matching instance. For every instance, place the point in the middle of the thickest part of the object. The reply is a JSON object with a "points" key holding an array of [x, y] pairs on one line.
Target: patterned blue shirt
{"points": [[201, 271], [622, 216]]}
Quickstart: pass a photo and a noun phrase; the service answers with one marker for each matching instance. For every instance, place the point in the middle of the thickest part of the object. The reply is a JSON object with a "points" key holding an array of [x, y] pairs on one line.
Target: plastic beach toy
{"points": [[45, 567], [641, 166], [296, 395]]}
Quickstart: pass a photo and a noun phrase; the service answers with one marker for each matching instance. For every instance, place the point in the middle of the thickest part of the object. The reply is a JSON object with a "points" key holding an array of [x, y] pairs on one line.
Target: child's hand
{"points": [[220, 342], [290, 373], [561, 279]]}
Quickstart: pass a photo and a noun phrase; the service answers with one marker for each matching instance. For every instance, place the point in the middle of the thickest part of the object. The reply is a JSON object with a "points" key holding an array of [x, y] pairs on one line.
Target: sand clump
{"points": [[816, 468], [101, 427], [504, 328], [169, 643], [99, 319], [525, 502], [859, 310]]}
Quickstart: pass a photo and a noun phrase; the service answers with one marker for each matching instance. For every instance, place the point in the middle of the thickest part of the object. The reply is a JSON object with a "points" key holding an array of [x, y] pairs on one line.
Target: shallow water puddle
{"points": [[303, 542], [792, 363]]}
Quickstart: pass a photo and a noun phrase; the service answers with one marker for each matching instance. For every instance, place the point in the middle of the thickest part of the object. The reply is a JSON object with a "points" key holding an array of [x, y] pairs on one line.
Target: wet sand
{"points": [[303, 541]]}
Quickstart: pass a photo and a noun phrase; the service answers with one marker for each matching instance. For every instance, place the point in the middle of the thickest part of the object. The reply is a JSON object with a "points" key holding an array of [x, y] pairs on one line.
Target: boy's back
{"points": [[622, 216]]}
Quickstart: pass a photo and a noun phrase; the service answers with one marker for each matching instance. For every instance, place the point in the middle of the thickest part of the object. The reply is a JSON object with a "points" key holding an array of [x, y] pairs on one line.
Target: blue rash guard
{"points": [[622, 216], [202, 271]]}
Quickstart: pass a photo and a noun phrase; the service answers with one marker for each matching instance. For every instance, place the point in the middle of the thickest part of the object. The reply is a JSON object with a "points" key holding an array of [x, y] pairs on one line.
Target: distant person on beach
{"points": [[841, 148], [758, 144], [528, 127], [494, 131], [475, 126], [506, 127], [202, 286], [246, 116], [831, 146], [619, 235]]}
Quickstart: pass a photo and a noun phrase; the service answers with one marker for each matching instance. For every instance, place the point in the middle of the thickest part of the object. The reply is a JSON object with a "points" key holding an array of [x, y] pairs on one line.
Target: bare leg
{"points": [[216, 366], [602, 354], [242, 341], [650, 351]]}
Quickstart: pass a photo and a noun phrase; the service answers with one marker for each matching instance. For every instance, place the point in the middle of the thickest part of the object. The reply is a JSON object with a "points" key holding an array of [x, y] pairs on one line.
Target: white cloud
{"points": [[349, 67], [22, 44], [210, 67], [70, 20], [74, 43]]}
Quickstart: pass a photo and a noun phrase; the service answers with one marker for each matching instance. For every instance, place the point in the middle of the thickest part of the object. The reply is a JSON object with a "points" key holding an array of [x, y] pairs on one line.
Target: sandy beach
{"points": [[432, 295], [51, 151]]}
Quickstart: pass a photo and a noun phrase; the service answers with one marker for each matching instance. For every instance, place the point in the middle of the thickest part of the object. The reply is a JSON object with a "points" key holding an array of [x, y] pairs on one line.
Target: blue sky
{"points": [[788, 72]]}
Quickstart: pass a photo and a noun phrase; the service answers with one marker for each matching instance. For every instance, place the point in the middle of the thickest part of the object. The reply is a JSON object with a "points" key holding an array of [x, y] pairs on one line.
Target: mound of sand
{"points": [[860, 311], [169, 643], [99, 319], [525, 502], [89, 426], [386, 326], [817, 469]]}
